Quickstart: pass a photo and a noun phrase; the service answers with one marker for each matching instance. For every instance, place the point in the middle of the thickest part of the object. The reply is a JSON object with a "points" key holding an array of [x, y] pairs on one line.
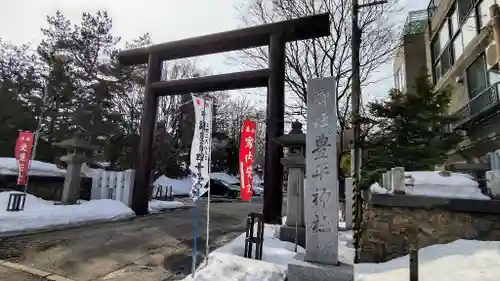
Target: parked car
{"points": [[222, 188]]}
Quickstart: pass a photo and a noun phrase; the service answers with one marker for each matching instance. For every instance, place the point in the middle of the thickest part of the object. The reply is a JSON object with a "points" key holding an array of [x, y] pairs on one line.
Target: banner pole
{"points": [[250, 204], [207, 246], [33, 153], [199, 167], [35, 143], [193, 266], [253, 148]]}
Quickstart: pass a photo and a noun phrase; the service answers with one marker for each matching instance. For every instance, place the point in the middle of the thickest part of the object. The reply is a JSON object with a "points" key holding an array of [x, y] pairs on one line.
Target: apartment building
{"points": [[457, 36], [408, 63]]}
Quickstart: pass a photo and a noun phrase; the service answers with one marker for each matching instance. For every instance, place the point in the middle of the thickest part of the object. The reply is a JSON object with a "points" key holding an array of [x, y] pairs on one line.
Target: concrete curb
{"points": [[35, 271]]}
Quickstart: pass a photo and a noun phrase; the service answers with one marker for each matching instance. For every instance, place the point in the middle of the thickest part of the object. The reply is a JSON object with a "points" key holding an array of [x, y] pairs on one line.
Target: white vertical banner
{"points": [[201, 146]]}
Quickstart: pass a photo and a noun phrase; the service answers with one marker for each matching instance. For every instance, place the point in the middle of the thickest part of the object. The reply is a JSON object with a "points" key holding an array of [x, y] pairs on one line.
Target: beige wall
{"points": [[398, 58], [415, 57]]}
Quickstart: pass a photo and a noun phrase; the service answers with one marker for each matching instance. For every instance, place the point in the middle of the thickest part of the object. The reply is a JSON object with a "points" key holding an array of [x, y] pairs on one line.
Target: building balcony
{"points": [[416, 22], [482, 105]]}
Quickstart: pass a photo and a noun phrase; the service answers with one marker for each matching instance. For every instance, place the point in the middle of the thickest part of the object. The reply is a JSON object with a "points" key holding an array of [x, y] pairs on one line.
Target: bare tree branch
{"points": [[327, 56]]}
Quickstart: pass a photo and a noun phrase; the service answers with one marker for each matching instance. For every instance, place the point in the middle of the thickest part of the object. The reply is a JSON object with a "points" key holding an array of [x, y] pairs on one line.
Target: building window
{"points": [[477, 77], [469, 29], [444, 34], [458, 46], [454, 22], [437, 72], [456, 32], [464, 7]]}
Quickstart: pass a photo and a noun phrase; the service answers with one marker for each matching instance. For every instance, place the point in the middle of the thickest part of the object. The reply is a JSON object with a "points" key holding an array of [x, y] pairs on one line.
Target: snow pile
{"points": [[41, 214], [179, 186], [423, 178], [227, 263], [228, 267], [462, 260], [8, 166], [376, 188], [157, 206], [434, 184]]}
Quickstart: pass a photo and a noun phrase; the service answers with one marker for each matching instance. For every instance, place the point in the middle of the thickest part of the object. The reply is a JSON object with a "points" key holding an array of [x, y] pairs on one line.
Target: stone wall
{"points": [[48, 188], [387, 220]]}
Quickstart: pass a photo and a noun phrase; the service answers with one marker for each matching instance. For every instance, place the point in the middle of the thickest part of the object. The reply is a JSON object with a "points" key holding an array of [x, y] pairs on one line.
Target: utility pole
{"points": [[356, 118]]}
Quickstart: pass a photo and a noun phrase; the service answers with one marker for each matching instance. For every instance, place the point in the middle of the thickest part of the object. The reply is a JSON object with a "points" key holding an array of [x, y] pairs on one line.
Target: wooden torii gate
{"points": [[275, 35]]}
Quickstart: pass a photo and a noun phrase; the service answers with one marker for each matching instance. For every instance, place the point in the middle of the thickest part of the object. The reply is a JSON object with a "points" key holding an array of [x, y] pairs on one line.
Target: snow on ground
{"points": [[227, 263], [41, 214], [433, 184], [157, 206], [8, 166], [179, 186], [462, 260]]}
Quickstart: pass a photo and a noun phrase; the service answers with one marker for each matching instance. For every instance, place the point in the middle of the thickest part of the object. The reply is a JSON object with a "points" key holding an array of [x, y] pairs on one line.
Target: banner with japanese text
{"points": [[201, 146], [22, 153], [247, 142]]}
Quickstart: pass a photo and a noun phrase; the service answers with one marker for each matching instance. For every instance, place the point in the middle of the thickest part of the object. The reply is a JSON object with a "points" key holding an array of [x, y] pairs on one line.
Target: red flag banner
{"points": [[22, 153], [247, 141]]}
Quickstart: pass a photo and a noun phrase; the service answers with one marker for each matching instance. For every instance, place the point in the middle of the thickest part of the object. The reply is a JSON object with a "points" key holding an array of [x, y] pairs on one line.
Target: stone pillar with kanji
{"points": [[321, 195]]}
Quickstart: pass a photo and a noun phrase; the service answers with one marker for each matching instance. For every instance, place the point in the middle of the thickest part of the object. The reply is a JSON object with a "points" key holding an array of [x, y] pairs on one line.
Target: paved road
{"points": [[157, 247]]}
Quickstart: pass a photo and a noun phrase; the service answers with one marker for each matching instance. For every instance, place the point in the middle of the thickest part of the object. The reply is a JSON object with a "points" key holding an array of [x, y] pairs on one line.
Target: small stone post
{"points": [[398, 180], [348, 203], [384, 183], [388, 176], [411, 237], [294, 162], [76, 156]]}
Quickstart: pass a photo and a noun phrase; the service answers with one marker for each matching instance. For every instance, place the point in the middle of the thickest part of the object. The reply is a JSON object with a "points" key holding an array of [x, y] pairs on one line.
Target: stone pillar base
{"points": [[288, 233], [301, 270]]}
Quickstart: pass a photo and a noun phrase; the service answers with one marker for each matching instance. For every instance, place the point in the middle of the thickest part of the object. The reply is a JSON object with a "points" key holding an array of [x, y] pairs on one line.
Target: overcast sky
{"points": [[165, 20]]}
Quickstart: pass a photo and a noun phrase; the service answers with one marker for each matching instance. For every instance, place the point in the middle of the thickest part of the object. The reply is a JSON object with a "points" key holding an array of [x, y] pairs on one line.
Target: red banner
{"points": [[247, 142], [22, 153]]}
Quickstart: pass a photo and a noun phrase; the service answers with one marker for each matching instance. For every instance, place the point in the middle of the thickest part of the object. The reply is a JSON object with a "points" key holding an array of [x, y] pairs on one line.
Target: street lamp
{"points": [[355, 103]]}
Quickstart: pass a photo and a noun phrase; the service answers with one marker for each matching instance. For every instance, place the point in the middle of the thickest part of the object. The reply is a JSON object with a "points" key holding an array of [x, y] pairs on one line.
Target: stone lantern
{"points": [[78, 149], [294, 162]]}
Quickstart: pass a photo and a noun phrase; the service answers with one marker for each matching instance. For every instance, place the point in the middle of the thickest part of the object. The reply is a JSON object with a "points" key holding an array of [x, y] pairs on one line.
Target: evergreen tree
{"points": [[411, 131]]}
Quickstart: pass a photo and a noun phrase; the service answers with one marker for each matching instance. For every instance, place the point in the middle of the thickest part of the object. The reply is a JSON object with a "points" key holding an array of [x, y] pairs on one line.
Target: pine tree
{"points": [[411, 131]]}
